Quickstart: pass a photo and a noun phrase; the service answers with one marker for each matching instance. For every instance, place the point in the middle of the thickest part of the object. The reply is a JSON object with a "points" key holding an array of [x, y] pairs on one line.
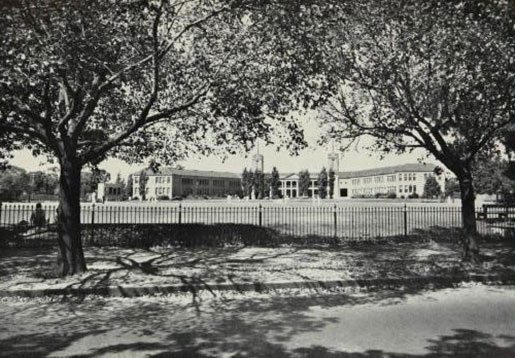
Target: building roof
{"points": [[192, 173], [404, 168]]}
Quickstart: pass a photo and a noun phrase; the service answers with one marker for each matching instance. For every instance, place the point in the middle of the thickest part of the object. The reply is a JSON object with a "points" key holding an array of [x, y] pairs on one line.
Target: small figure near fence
{"points": [[37, 218]]}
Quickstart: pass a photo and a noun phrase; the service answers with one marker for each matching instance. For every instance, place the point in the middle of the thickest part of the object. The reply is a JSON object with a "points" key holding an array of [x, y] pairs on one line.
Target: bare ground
{"points": [[26, 269]]}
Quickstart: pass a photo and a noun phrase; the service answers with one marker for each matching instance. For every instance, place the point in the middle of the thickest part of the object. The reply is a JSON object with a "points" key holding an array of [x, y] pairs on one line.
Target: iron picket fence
{"points": [[340, 221]]}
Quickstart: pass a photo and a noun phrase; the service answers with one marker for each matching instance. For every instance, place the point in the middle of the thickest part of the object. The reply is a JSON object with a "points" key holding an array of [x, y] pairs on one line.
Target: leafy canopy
{"points": [[154, 79], [437, 75]]}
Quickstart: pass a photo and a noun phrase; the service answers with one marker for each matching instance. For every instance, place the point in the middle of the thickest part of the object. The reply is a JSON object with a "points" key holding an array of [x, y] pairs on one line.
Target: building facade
{"points": [[401, 180], [171, 182], [290, 185], [110, 192]]}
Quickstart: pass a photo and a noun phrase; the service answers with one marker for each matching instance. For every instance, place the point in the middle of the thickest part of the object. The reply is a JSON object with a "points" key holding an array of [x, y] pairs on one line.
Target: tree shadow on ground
{"points": [[257, 327], [200, 266]]}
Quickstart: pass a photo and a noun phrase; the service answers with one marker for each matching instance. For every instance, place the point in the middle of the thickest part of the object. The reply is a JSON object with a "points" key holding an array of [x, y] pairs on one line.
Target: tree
{"points": [[322, 183], [143, 179], [128, 187], [403, 75], [491, 176], [432, 188], [245, 182], [14, 182], [119, 179], [451, 186], [259, 184], [81, 81], [275, 183], [304, 183], [332, 179]]}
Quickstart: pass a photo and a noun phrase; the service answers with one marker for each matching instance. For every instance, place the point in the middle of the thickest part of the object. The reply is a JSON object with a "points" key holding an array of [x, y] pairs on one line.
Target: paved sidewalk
{"points": [[136, 272]]}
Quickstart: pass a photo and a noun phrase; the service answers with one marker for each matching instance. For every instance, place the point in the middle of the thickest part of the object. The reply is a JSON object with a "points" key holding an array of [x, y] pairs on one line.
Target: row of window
{"points": [[162, 180], [114, 191], [408, 188], [385, 189], [389, 178], [162, 191]]}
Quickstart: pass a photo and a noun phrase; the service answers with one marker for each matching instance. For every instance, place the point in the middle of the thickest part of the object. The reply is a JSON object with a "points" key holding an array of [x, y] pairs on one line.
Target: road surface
{"points": [[468, 321]]}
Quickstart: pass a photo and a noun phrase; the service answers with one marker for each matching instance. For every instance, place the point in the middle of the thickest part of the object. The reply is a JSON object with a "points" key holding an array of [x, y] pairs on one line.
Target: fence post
{"points": [[180, 214], [335, 224], [260, 215], [92, 223], [1, 222], [405, 221]]}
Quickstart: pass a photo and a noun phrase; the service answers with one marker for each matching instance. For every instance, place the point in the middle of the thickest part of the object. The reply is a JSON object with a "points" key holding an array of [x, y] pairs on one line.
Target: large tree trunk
{"points": [[71, 257], [468, 217]]}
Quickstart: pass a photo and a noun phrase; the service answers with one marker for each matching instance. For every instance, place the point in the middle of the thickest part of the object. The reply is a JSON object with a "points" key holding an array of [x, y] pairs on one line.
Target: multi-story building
{"points": [[171, 182], [290, 185], [401, 180]]}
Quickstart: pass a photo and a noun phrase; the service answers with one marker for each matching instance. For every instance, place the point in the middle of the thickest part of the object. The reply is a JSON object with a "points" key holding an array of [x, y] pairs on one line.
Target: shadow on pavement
{"points": [[251, 327]]}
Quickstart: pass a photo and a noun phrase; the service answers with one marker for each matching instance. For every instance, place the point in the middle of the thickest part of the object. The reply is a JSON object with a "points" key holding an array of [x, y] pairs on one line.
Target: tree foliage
{"points": [[128, 190], [143, 180], [14, 182], [331, 181], [451, 187], [322, 183], [304, 182], [259, 184], [432, 188], [275, 183]]}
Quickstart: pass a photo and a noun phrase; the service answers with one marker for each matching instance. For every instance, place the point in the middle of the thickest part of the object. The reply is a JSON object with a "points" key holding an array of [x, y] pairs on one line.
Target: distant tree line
{"points": [[261, 184], [16, 184]]}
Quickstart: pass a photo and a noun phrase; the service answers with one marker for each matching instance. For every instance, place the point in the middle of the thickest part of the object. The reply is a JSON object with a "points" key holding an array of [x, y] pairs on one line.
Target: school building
{"points": [[172, 182], [401, 180]]}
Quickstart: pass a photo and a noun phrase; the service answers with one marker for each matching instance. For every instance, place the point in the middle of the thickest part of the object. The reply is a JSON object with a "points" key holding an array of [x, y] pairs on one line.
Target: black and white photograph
{"points": [[257, 178]]}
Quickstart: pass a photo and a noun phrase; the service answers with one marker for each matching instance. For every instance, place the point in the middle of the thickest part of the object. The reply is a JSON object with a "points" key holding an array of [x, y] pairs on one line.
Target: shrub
{"points": [[163, 197], [413, 196], [391, 196]]}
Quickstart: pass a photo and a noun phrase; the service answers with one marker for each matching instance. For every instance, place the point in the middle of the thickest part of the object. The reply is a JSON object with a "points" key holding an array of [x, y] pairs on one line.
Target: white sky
{"points": [[312, 158]]}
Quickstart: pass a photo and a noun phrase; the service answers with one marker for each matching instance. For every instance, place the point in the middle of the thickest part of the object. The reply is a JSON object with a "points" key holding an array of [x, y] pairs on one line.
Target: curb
{"points": [[137, 291]]}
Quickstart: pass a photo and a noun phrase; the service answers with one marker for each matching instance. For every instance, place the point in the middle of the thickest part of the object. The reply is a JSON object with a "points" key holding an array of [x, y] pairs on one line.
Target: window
{"points": [[168, 179], [288, 183]]}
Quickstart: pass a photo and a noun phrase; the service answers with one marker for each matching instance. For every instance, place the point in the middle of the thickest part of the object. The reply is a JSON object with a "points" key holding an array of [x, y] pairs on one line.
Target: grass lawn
{"points": [[22, 269]]}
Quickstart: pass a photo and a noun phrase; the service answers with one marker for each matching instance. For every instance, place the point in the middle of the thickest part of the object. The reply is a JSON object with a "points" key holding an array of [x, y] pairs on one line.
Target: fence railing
{"points": [[337, 221]]}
